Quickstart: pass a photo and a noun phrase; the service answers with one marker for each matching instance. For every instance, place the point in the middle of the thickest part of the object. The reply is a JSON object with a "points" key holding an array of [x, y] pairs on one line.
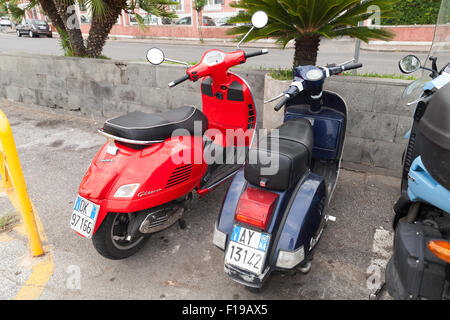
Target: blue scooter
{"points": [[420, 265], [273, 220]]}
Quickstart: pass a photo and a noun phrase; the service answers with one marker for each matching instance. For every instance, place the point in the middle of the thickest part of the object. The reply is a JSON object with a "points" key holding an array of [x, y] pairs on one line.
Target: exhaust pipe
{"points": [[160, 220]]}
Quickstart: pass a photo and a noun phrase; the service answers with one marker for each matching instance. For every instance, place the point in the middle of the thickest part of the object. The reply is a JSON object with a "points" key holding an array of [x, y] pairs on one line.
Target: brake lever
{"points": [[274, 98]]}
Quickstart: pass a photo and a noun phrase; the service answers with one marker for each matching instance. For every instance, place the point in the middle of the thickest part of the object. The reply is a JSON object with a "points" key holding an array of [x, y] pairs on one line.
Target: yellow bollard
{"points": [[12, 177]]}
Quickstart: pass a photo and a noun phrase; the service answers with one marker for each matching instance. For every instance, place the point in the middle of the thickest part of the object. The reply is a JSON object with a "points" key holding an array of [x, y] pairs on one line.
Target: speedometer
{"points": [[213, 57]]}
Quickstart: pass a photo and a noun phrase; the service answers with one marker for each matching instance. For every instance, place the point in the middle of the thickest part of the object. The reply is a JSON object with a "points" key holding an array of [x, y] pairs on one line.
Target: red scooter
{"points": [[141, 181]]}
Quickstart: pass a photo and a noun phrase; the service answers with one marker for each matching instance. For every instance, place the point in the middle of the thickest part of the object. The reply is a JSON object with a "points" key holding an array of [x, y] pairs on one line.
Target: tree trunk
{"points": [[101, 26], [50, 10], [199, 25], [73, 31], [306, 50]]}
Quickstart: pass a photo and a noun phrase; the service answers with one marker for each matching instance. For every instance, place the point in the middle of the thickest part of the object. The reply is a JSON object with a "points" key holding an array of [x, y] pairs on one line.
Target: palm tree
{"points": [[307, 21]]}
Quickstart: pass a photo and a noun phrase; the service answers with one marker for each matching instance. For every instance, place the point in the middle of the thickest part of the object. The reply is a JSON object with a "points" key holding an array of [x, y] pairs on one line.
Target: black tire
{"points": [[108, 247], [50, 36]]}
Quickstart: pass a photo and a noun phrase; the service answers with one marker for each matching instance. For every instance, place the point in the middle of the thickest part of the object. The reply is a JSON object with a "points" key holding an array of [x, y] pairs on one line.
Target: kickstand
{"points": [[376, 294], [182, 224]]}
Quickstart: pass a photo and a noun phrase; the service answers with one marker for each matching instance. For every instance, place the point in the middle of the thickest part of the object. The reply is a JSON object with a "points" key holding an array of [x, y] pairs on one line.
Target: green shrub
{"points": [[411, 12]]}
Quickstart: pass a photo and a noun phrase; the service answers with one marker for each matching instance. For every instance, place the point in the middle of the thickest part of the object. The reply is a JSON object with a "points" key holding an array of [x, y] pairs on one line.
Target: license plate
{"points": [[84, 216], [42, 28], [247, 249]]}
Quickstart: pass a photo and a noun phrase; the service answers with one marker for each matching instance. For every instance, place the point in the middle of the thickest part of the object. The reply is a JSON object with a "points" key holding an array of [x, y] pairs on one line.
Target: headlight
{"points": [[289, 260], [127, 191]]}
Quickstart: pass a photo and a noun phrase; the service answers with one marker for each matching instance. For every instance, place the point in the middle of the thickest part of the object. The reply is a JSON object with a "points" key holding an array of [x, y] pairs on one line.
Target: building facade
{"points": [[214, 21]]}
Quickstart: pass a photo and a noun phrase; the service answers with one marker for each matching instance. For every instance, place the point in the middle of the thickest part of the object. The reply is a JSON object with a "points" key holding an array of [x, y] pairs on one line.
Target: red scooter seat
{"points": [[141, 126]]}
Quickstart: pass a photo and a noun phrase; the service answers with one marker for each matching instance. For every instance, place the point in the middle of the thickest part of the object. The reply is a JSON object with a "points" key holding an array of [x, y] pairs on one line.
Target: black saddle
{"points": [[141, 126], [291, 149]]}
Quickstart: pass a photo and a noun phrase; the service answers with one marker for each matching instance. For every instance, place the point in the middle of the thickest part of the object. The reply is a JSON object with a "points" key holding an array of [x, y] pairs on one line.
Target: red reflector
{"points": [[255, 207]]}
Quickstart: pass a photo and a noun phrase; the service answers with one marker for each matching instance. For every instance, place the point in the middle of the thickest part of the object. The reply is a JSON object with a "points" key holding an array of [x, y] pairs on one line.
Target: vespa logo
{"points": [[146, 193]]}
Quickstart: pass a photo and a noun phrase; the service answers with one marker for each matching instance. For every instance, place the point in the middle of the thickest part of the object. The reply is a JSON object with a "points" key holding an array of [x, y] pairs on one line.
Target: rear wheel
{"points": [[110, 242]]}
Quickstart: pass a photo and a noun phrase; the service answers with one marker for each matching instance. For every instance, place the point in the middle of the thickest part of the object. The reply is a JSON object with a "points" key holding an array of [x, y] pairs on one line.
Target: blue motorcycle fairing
{"points": [[422, 187], [301, 227]]}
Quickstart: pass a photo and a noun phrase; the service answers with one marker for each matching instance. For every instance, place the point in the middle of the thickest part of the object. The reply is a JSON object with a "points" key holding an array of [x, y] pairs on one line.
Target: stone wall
{"points": [[377, 119], [107, 88]]}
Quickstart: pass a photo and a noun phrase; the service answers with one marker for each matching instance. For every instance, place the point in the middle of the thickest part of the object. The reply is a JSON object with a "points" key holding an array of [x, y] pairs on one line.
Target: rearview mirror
{"points": [[155, 56], [259, 19], [409, 64]]}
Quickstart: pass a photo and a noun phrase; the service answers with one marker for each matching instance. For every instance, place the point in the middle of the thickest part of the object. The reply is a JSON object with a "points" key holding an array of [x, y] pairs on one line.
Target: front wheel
{"points": [[110, 242]]}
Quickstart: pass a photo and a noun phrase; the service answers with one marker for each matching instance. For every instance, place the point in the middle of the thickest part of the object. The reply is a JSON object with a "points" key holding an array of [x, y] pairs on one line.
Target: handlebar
{"points": [[178, 81], [289, 94], [340, 69], [282, 102], [256, 53]]}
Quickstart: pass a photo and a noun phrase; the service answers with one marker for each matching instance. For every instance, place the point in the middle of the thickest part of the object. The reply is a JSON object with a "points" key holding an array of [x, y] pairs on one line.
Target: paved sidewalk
{"points": [[55, 149]]}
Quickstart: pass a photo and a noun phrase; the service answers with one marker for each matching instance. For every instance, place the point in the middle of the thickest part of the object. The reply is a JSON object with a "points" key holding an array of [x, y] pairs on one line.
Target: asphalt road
{"points": [[55, 150], [129, 50]]}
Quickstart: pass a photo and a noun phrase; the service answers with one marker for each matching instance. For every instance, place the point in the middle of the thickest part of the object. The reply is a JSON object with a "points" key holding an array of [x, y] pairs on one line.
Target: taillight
{"points": [[255, 207], [441, 249]]}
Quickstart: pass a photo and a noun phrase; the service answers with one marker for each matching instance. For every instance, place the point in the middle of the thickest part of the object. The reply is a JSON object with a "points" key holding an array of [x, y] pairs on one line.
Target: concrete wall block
{"points": [[371, 125], [142, 75], [156, 98], [388, 99], [374, 153], [76, 86], [124, 93], [358, 96], [53, 99], [101, 91], [114, 109], [29, 96], [167, 74], [185, 98], [5, 78], [91, 106], [56, 83], [9, 63], [12, 93]]}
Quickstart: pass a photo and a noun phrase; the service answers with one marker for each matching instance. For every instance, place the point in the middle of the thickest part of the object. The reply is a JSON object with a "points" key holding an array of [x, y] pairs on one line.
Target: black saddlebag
{"points": [[414, 272], [289, 150]]}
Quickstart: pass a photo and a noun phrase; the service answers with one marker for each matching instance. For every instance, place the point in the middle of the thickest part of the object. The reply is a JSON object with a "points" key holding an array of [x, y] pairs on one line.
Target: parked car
{"points": [[223, 21], [34, 28], [207, 21], [5, 22]]}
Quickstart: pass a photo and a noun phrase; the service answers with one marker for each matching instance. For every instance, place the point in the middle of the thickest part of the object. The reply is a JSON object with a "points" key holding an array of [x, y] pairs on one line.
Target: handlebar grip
{"points": [[352, 66], [178, 81], [256, 53], [282, 102]]}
